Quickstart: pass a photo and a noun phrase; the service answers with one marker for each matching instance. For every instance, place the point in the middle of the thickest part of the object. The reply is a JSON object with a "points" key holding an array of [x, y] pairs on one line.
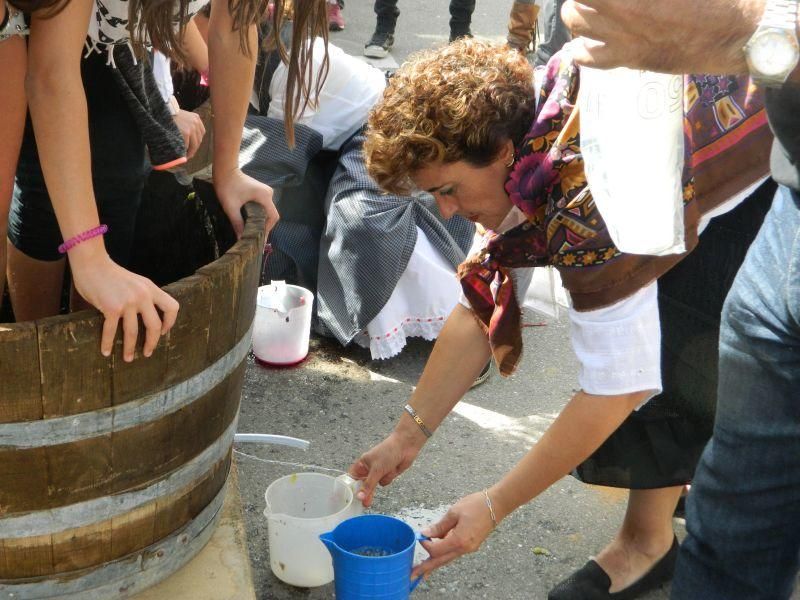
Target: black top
{"points": [[783, 108]]}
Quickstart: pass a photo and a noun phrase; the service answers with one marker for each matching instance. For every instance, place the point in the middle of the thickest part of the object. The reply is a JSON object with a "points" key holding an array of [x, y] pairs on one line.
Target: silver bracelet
{"points": [[489, 506]]}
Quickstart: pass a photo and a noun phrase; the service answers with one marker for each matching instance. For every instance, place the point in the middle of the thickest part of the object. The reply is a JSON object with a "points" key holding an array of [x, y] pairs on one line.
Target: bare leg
{"points": [[13, 57], [34, 285], [645, 537]]}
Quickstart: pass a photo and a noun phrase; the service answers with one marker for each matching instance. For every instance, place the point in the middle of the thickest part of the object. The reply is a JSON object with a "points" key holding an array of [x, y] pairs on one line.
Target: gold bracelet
{"points": [[489, 506], [418, 420]]}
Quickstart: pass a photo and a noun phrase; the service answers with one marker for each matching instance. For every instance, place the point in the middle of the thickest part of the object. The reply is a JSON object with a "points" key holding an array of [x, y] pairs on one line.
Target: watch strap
{"points": [[781, 14]]}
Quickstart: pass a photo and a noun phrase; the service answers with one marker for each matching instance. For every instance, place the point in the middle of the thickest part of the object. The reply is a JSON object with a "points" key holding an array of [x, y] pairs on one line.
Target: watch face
{"points": [[773, 53]]}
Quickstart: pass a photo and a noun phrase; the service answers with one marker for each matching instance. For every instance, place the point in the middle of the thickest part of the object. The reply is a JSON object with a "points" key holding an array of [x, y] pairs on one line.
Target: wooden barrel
{"points": [[112, 473]]}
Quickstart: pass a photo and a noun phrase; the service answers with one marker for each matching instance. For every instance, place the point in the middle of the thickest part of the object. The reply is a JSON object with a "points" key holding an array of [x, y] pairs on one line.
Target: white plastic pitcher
{"points": [[282, 324], [632, 146], [301, 507]]}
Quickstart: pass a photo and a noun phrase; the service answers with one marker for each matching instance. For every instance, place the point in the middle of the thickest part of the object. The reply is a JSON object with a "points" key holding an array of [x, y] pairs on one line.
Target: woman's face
{"points": [[475, 193]]}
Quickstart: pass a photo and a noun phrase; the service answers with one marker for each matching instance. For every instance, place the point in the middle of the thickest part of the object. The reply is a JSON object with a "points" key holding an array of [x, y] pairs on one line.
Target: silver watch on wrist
{"points": [[773, 51]]}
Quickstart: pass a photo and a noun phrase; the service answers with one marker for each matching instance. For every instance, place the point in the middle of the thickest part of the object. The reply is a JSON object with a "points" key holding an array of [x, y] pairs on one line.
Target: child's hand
{"points": [[235, 189], [120, 294]]}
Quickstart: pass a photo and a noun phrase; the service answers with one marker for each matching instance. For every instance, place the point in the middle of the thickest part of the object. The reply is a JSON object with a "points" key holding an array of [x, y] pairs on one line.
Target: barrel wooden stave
{"points": [[76, 378], [20, 384], [109, 464]]}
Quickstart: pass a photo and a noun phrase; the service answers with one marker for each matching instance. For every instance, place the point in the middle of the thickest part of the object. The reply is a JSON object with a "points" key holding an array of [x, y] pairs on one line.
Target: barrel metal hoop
{"points": [[64, 430], [97, 510], [130, 575]]}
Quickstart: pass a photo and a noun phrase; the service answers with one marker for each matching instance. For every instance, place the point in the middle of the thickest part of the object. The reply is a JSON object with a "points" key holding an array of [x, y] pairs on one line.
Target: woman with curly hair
{"points": [[466, 124]]}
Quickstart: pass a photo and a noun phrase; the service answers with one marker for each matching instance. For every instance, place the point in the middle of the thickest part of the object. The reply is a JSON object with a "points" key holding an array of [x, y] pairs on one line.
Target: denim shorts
{"points": [[118, 174]]}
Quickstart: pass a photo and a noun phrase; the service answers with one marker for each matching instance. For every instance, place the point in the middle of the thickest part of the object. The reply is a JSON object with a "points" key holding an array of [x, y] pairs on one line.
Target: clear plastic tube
{"points": [[265, 438]]}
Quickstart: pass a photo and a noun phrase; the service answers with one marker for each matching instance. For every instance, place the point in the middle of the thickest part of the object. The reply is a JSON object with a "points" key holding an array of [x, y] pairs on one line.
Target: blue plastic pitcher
{"points": [[372, 558]]}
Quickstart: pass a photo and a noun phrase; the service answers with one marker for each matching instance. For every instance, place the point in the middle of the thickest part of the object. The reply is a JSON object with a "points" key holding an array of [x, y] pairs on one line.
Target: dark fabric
{"points": [[266, 156], [174, 236], [137, 85], [387, 13], [743, 514], [783, 109], [659, 445], [296, 238], [554, 32], [591, 582], [188, 90], [460, 16], [118, 174], [268, 63], [300, 178]]}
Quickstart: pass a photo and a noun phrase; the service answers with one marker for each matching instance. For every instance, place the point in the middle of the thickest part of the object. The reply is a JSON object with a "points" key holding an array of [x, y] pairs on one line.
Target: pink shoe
{"points": [[335, 18]]}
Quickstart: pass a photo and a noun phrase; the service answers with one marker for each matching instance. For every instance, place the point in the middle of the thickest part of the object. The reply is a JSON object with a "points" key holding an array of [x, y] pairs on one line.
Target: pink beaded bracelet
{"points": [[82, 237]]}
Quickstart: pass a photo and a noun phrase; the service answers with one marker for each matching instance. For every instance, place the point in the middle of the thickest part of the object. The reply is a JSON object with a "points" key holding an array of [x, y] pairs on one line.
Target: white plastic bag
{"points": [[632, 145]]}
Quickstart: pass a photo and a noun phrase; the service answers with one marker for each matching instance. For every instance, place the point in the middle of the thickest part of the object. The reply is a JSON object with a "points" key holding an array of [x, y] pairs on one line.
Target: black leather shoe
{"points": [[590, 582]]}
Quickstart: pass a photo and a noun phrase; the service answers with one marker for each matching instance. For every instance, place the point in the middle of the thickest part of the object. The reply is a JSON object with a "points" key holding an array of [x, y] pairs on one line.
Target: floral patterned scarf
{"points": [[726, 149]]}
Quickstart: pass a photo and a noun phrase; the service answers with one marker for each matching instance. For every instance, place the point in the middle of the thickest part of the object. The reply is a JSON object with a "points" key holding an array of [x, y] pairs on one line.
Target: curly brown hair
{"points": [[459, 102]]}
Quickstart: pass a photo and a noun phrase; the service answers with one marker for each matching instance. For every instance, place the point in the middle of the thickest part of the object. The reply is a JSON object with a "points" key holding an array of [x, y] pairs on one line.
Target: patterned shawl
{"points": [[726, 150]]}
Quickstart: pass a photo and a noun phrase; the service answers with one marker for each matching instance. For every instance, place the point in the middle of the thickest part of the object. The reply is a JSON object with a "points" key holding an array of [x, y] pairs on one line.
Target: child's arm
{"points": [[231, 75], [58, 109]]}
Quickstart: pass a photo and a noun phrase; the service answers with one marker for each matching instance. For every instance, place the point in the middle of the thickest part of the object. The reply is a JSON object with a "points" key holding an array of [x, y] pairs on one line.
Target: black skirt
{"points": [[659, 445]]}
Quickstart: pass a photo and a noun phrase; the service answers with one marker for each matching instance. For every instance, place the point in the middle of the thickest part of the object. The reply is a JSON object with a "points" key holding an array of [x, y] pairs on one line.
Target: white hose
{"points": [[265, 438]]}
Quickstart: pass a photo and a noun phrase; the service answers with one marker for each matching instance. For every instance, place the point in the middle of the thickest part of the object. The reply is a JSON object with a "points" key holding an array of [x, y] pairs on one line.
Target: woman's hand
{"points": [[120, 294], [235, 189], [461, 531], [192, 129], [384, 462]]}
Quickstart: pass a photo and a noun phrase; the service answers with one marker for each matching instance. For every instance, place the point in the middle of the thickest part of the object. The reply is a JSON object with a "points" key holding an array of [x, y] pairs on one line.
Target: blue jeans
{"points": [[743, 514]]}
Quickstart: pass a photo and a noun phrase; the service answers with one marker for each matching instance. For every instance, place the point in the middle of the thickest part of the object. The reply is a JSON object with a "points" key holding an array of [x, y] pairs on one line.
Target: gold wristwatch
{"points": [[773, 51]]}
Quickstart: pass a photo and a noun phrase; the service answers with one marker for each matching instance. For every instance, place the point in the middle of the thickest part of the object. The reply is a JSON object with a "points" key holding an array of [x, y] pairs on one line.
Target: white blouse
{"points": [[618, 347], [351, 89]]}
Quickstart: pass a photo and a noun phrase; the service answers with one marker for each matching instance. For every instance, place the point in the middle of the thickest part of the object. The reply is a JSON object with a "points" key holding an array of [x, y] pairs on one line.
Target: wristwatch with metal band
{"points": [[773, 51]]}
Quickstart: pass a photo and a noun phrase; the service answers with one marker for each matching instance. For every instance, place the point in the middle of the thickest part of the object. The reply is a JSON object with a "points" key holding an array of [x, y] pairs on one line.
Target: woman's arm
{"points": [[460, 352], [58, 109], [584, 424], [231, 74], [618, 347]]}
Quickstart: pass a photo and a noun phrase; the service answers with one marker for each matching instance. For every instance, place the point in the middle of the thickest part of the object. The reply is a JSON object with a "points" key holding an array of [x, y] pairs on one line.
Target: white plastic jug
{"points": [[632, 146], [301, 507], [282, 324]]}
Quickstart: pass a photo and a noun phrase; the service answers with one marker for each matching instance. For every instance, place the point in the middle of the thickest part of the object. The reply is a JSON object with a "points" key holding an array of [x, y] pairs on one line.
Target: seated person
{"points": [[383, 265]]}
